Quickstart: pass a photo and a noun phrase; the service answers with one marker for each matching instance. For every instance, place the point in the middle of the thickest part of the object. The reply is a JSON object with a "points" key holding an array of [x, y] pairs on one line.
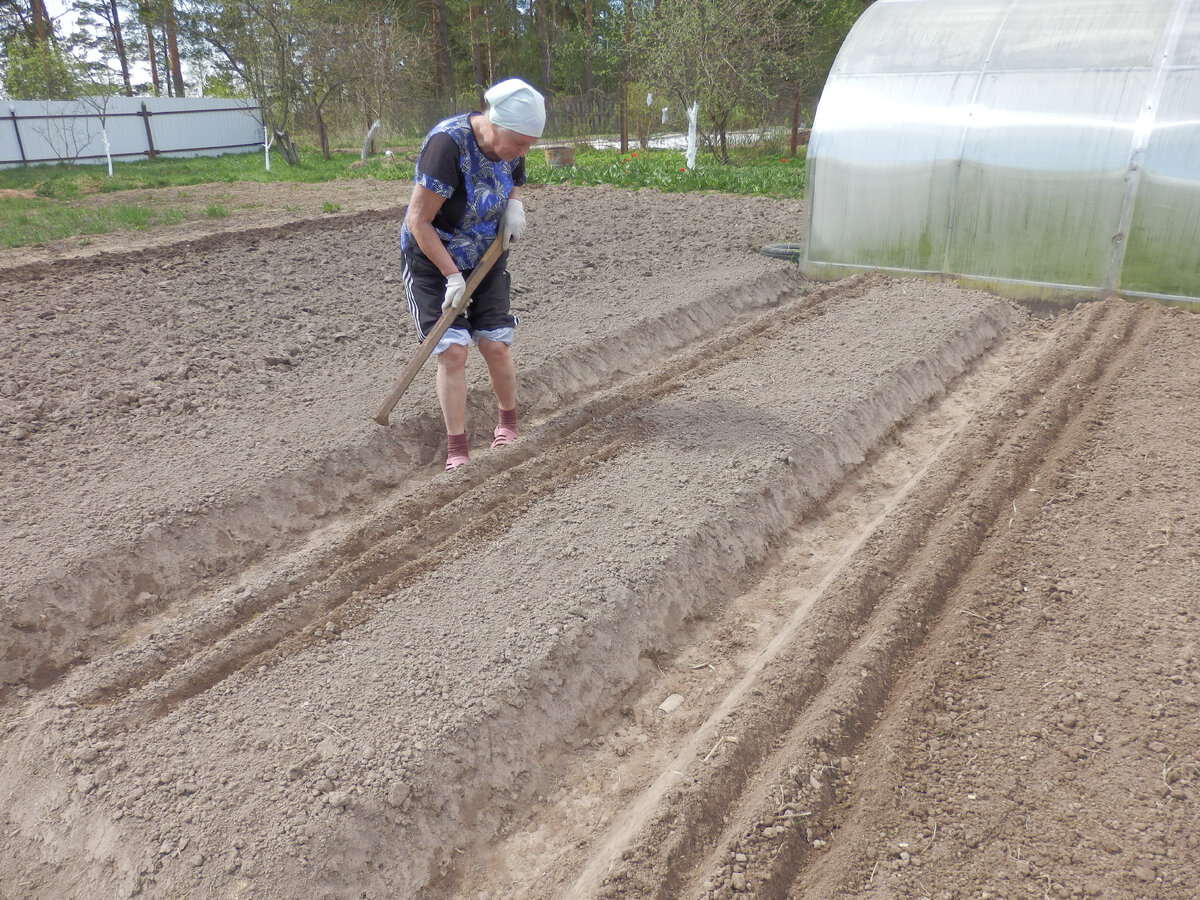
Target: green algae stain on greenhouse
{"points": [[1163, 256]]}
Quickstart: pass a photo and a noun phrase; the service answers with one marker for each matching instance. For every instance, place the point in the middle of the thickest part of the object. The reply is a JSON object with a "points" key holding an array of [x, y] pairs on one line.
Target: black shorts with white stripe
{"points": [[425, 289]]}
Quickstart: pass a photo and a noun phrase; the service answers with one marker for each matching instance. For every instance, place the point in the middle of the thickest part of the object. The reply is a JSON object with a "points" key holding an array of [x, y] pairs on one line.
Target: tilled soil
{"points": [[873, 589]]}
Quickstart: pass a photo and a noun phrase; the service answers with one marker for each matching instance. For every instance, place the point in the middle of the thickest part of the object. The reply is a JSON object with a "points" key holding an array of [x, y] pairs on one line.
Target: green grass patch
{"points": [[36, 221], [51, 215], [755, 173], [665, 170], [66, 182]]}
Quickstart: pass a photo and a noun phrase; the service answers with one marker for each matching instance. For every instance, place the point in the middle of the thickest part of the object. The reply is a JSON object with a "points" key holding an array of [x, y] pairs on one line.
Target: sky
{"points": [[64, 19]]}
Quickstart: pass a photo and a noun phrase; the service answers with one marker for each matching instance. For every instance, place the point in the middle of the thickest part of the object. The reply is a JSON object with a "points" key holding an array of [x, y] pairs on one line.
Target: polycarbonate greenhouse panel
{"points": [[1035, 146], [1043, 176], [882, 167], [1041, 35], [1163, 255], [943, 36], [1187, 53]]}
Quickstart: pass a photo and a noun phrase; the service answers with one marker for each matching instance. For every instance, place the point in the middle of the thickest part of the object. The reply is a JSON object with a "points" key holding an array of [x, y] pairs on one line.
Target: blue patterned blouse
{"points": [[476, 190]]}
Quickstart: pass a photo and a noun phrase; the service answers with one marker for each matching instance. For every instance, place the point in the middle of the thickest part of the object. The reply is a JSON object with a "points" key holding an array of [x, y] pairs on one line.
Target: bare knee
{"points": [[453, 358], [493, 351]]}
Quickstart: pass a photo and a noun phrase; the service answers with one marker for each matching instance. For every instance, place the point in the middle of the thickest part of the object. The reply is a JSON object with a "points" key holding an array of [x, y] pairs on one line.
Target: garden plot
{"points": [[258, 646]]}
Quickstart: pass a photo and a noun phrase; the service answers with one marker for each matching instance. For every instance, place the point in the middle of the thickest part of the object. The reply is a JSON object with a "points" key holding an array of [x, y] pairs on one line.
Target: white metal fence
{"points": [[52, 131]]}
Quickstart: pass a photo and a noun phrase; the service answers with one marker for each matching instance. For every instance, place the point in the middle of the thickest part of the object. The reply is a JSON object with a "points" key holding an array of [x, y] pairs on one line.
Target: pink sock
{"points": [[508, 418], [456, 443]]}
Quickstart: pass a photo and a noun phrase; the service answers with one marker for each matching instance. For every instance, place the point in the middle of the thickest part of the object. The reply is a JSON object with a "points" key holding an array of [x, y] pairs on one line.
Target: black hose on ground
{"points": [[793, 252]]}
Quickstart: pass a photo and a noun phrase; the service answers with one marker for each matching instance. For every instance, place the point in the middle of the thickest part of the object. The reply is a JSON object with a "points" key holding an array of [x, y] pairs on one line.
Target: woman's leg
{"points": [[501, 371], [503, 374], [452, 387]]}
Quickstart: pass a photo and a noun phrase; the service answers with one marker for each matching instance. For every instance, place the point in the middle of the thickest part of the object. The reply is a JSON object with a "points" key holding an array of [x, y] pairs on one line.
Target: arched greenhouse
{"points": [[1036, 147]]}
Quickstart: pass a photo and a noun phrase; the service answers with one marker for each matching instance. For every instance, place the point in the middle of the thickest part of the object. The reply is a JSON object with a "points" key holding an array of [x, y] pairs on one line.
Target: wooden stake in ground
{"points": [[431, 340]]}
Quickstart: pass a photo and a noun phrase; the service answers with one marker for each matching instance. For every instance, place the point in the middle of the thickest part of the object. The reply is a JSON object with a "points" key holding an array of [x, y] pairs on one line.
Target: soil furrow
{"points": [[93, 603], [590, 604], [376, 556], [347, 597], [813, 767], [702, 806], [89, 264], [880, 592], [537, 862]]}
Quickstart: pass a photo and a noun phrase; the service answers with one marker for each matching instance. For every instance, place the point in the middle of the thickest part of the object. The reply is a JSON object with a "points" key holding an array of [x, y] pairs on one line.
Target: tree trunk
{"points": [[173, 47], [43, 36], [45, 29], [441, 32], [322, 135], [489, 67], [119, 44], [287, 147], [795, 121], [164, 63], [721, 123], [542, 15], [41, 22], [476, 51], [625, 77], [152, 53], [587, 51]]}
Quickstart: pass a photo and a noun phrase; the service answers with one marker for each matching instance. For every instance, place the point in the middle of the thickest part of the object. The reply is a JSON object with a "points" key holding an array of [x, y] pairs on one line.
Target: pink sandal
{"points": [[504, 436], [454, 460]]}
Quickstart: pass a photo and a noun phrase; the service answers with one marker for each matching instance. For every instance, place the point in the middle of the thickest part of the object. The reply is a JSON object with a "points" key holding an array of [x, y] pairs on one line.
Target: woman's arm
{"points": [[422, 207]]}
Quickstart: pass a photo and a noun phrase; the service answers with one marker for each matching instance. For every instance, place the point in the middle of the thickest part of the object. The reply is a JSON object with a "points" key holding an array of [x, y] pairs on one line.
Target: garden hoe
{"points": [[431, 340]]}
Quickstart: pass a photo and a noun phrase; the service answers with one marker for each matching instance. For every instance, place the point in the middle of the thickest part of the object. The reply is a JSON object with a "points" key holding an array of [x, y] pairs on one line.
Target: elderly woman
{"points": [[467, 190]]}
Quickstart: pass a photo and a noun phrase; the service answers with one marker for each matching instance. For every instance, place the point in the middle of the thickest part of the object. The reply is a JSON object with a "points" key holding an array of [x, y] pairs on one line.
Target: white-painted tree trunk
{"points": [[693, 114]]}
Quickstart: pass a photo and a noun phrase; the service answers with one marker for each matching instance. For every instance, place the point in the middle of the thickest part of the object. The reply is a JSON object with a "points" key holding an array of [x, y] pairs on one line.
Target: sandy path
{"points": [[264, 643]]}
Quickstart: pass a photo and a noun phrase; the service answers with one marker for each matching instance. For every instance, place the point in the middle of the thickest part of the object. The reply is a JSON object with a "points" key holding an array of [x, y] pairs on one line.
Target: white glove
{"points": [[456, 286], [512, 223]]}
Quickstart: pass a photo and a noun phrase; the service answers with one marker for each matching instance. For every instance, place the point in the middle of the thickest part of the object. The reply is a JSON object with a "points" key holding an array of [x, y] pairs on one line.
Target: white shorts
{"points": [[462, 337]]}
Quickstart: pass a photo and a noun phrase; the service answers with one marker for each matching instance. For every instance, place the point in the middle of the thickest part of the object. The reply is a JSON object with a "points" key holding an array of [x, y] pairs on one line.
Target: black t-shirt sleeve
{"points": [[439, 160]]}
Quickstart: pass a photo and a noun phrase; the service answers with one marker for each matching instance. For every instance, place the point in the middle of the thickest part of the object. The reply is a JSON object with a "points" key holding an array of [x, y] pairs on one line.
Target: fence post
{"points": [[12, 111], [145, 114]]}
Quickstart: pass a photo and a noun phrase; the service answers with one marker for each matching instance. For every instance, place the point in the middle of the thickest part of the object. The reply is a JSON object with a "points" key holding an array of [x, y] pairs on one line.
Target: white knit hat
{"points": [[517, 106]]}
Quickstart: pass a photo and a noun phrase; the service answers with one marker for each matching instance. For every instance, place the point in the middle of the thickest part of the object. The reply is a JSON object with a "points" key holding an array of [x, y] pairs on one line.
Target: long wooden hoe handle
{"points": [[435, 334]]}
